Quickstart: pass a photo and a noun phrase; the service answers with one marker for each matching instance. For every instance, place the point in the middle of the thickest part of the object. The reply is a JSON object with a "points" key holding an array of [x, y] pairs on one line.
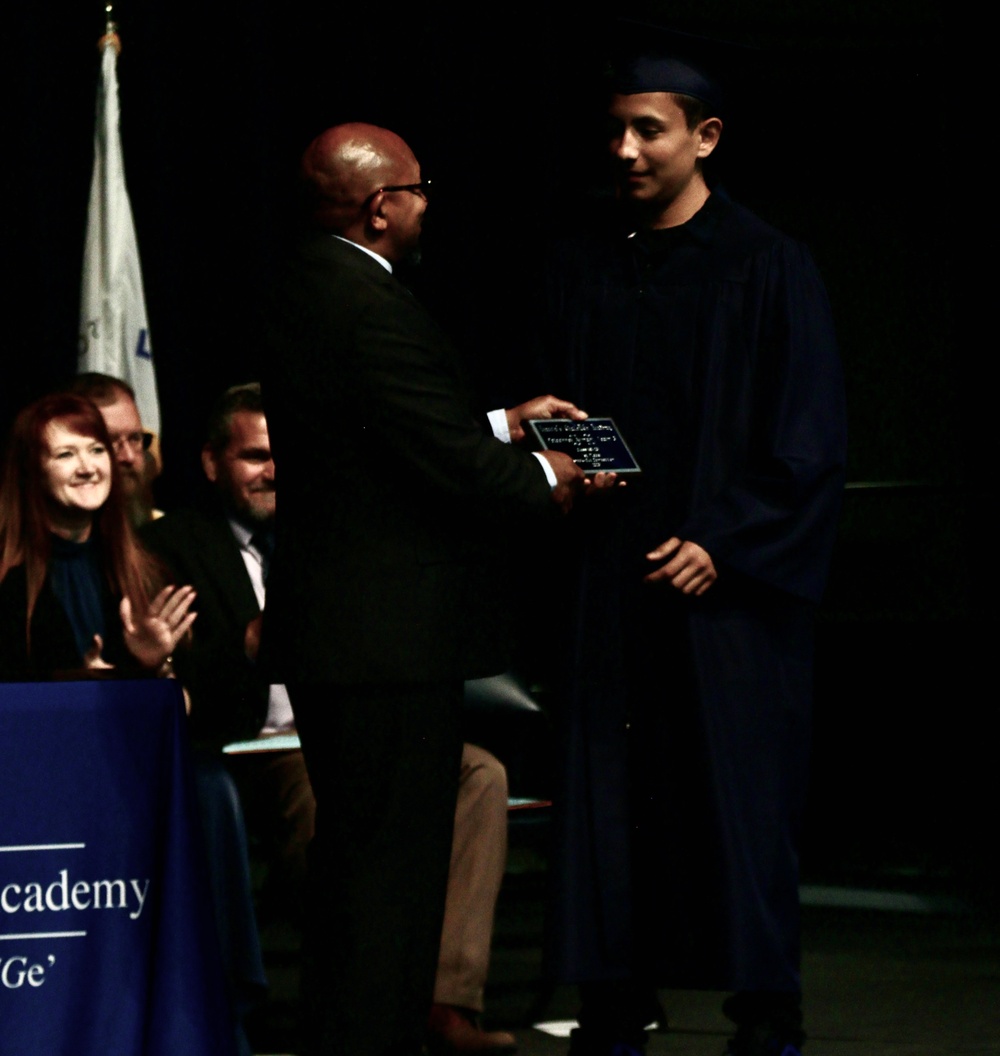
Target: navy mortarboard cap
{"points": [[649, 58]]}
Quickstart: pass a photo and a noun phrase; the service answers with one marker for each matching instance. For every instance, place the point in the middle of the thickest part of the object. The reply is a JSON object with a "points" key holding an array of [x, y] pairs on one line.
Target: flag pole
{"points": [[114, 330]]}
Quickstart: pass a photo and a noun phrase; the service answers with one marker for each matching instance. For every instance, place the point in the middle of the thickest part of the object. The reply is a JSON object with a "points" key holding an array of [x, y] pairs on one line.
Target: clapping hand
{"points": [[151, 636], [92, 659]]}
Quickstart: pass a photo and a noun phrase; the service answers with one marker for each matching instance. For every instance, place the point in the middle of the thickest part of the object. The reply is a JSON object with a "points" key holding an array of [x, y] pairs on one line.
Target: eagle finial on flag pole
{"points": [[110, 32]]}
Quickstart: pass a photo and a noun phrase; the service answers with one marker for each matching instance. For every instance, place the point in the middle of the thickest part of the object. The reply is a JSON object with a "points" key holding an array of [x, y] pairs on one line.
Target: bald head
{"points": [[345, 165]]}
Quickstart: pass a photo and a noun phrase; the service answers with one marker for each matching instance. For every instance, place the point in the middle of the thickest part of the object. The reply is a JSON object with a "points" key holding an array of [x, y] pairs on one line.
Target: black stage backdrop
{"points": [[850, 133]]}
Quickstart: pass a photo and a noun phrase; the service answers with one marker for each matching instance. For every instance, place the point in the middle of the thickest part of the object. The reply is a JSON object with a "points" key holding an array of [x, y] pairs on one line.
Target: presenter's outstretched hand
{"points": [[540, 407]]}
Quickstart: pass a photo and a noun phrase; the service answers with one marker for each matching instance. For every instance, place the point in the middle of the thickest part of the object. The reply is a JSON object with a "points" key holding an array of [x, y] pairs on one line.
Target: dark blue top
{"points": [[76, 579]]}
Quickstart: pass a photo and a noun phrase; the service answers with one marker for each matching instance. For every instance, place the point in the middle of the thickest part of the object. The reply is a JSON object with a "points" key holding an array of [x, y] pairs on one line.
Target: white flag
{"points": [[114, 331]]}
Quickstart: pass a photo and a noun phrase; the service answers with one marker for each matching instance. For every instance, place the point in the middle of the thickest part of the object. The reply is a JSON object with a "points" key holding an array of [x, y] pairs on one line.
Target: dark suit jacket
{"points": [[391, 492], [228, 694]]}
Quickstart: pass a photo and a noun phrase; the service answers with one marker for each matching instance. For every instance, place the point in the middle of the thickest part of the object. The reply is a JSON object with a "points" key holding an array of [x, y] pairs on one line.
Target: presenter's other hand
{"points": [[569, 478], [151, 636], [540, 407], [688, 567]]}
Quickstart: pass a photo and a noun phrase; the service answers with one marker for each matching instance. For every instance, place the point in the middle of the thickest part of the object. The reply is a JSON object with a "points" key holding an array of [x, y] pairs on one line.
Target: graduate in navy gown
{"points": [[707, 336]]}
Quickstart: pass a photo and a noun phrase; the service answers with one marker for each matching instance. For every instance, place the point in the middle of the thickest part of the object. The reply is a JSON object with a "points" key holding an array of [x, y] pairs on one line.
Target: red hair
{"points": [[25, 527]]}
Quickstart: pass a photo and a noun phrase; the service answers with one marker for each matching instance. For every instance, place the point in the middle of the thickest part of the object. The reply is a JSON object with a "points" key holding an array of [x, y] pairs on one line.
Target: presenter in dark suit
{"points": [[378, 594]]}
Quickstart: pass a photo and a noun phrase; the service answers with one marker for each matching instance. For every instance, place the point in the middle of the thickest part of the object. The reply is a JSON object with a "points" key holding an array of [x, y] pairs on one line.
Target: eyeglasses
{"points": [[421, 190], [136, 441]]}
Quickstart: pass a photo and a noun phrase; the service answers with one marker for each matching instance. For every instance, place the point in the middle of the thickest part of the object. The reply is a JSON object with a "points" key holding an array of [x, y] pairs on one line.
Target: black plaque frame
{"points": [[595, 444]]}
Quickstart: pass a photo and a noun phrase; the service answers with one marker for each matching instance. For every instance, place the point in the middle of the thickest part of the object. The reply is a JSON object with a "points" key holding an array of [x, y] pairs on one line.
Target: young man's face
{"points": [[657, 154]]}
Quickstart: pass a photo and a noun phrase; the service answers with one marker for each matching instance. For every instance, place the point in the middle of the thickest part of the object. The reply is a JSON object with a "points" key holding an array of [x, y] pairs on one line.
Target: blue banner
{"points": [[107, 944]]}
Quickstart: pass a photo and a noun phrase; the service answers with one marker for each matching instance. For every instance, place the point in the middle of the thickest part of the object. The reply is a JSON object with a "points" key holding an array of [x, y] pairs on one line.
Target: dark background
{"points": [[852, 131]]}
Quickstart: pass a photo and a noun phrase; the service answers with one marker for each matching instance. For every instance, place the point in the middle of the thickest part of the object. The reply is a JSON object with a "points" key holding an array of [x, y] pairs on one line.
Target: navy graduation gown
{"points": [[686, 731]]}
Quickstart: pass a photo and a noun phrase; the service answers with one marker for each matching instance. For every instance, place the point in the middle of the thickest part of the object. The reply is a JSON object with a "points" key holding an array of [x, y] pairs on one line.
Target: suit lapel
{"points": [[224, 561]]}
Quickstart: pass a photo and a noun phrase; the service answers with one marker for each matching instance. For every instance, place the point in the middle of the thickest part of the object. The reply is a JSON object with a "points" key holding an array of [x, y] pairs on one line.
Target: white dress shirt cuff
{"points": [[498, 423], [550, 473]]}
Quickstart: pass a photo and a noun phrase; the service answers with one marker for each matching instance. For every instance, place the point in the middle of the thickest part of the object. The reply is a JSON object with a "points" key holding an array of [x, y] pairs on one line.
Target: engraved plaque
{"points": [[595, 444]]}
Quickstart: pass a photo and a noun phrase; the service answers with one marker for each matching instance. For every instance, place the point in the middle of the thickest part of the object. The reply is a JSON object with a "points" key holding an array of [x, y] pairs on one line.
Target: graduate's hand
{"points": [[540, 407], [569, 478], [151, 636], [689, 568], [602, 483]]}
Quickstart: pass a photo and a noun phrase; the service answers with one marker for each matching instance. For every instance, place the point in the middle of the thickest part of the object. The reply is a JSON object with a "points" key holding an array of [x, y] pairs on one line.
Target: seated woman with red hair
{"points": [[79, 594], [77, 591]]}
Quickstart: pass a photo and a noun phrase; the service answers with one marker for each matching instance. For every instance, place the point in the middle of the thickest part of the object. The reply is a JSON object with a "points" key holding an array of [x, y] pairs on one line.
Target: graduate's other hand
{"points": [[689, 568], [569, 478], [540, 407]]}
